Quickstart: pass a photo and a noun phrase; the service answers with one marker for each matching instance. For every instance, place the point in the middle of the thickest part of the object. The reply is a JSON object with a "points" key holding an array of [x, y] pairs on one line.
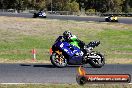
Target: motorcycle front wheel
{"points": [[58, 60], [98, 61]]}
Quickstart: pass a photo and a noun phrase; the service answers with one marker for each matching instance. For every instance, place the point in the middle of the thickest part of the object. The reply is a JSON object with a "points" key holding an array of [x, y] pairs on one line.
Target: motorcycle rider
{"points": [[111, 16], [72, 39], [40, 12]]}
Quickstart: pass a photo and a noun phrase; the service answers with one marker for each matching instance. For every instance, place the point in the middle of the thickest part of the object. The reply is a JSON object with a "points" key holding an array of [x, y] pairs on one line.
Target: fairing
{"points": [[73, 52]]}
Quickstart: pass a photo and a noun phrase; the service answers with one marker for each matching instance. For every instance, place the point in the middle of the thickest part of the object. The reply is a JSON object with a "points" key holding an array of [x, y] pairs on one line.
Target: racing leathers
{"points": [[74, 41]]}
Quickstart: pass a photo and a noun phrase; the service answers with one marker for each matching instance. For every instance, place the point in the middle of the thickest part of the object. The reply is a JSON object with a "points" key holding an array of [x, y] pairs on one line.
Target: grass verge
{"points": [[18, 36], [67, 86]]}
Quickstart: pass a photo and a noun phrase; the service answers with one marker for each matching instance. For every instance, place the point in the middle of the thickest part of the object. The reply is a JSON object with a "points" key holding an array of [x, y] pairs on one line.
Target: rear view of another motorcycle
{"points": [[40, 15], [111, 19]]}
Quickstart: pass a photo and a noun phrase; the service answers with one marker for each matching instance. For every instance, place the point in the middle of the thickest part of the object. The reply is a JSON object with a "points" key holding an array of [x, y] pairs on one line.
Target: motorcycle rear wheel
{"points": [[107, 20], [58, 60], [35, 15]]}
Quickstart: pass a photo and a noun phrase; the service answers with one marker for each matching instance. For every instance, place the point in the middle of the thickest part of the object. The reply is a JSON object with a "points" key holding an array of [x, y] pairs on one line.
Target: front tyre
{"points": [[58, 60], [98, 61], [116, 20]]}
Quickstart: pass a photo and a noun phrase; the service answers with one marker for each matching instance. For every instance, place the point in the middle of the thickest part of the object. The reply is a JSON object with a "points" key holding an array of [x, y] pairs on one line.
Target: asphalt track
{"points": [[62, 17], [46, 73]]}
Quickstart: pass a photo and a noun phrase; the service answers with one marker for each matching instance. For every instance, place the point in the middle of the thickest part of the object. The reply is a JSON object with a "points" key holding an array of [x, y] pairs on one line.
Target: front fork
{"points": [[90, 55], [60, 56]]}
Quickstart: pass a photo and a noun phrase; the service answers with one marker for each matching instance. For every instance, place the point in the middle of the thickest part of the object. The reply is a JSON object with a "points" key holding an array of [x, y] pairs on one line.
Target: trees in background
{"points": [[72, 6], [69, 5]]}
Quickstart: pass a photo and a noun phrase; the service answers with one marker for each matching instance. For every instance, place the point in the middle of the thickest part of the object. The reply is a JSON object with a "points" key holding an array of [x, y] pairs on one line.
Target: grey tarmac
{"points": [[47, 73], [126, 20]]}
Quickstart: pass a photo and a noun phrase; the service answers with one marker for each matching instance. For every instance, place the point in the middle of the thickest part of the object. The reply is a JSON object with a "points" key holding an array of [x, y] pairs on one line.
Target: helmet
{"points": [[67, 35]]}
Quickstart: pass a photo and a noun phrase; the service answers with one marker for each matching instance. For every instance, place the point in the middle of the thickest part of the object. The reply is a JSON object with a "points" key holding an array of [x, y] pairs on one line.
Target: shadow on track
{"points": [[25, 65], [38, 65], [45, 66], [51, 66], [101, 21]]}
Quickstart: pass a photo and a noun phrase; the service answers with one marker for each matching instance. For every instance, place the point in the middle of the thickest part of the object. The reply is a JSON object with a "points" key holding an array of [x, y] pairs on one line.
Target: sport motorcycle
{"points": [[64, 53]]}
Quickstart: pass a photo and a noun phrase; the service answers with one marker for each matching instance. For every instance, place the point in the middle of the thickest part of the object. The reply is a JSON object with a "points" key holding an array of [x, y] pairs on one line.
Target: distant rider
{"points": [[40, 12]]}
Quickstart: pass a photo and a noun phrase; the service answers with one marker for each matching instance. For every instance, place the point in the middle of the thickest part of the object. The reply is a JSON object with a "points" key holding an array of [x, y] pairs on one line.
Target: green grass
{"points": [[119, 41], [21, 49], [16, 42], [68, 86]]}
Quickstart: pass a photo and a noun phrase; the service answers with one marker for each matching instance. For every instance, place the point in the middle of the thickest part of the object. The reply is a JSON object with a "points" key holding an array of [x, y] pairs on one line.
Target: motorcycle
{"points": [[41, 15], [63, 54], [111, 19]]}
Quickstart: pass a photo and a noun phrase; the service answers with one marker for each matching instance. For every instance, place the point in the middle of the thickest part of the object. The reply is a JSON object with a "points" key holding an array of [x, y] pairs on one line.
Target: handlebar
{"points": [[58, 39], [94, 44]]}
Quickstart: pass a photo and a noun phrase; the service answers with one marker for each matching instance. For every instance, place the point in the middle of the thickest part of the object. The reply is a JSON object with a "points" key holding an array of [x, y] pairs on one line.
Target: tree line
{"points": [[69, 5]]}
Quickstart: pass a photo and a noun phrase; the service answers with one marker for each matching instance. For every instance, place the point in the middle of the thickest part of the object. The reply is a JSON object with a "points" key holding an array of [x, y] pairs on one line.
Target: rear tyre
{"points": [[58, 60], [44, 17], [107, 20], [35, 15], [97, 62]]}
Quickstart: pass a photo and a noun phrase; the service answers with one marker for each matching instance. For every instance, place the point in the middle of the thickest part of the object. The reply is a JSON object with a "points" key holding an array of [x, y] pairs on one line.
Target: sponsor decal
{"points": [[83, 77]]}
